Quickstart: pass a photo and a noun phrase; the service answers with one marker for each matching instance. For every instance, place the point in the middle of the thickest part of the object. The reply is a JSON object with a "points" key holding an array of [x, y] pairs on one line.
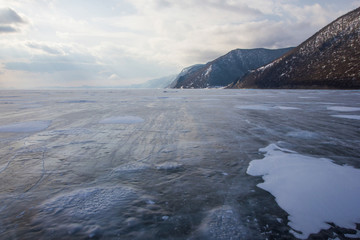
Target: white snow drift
{"points": [[314, 191]]}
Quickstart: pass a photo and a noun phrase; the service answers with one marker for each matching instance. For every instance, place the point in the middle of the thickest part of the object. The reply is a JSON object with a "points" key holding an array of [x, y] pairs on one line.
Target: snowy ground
{"points": [[179, 164]]}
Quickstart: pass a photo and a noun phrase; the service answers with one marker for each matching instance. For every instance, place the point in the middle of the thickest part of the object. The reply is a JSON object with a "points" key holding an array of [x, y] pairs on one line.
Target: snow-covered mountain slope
{"points": [[185, 72], [226, 69], [329, 59]]}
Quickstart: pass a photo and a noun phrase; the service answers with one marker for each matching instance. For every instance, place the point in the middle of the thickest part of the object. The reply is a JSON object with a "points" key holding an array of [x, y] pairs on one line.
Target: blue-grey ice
{"points": [[25, 127], [121, 120], [162, 164]]}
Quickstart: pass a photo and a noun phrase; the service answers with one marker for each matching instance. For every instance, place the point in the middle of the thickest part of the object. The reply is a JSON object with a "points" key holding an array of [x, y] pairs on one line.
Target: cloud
{"points": [[9, 16], [127, 41], [231, 6], [10, 20], [51, 67], [7, 29], [45, 48], [52, 64]]}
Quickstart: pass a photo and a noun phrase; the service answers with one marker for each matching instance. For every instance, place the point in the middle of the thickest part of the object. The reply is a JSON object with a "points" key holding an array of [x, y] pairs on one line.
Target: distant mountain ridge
{"points": [[226, 69], [162, 82], [328, 59]]}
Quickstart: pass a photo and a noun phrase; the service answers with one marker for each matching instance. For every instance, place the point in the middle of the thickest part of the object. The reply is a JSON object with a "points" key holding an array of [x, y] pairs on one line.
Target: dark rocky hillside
{"points": [[328, 60], [178, 81], [226, 69]]}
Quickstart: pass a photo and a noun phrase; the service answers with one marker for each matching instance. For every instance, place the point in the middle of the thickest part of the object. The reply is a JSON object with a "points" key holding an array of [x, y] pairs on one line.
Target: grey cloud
{"points": [[162, 4], [9, 16], [7, 29], [240, 8], [44, 48], [8, 20], [40, 66]]}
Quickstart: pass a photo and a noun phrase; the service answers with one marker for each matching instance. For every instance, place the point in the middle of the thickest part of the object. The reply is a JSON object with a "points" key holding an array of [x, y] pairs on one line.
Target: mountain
{"points": [[184, 73], [327, 60], [162, 82], [226, 69]]}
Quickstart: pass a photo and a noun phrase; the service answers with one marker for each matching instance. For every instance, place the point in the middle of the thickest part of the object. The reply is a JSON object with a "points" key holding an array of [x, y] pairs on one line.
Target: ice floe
{"points": [[122, 120], [313, 191], [25, 127]]}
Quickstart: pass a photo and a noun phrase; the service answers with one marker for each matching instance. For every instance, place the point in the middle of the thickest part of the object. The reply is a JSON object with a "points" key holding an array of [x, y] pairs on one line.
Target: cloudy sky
{"points": [[67, 43]]}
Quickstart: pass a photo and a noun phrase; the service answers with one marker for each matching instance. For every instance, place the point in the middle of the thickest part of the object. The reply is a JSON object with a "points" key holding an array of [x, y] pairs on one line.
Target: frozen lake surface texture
{"points": [[180, 164]]}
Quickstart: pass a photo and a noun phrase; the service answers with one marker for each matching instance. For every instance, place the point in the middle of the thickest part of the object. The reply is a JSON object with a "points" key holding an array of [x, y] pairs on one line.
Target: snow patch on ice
{"points": [[344, 109], [122, 120], [287, 108], [169, 166], [314, 191], [25, 127], [302, 134], [356, 117], [254, 107], [265, 107], [308, 97]]}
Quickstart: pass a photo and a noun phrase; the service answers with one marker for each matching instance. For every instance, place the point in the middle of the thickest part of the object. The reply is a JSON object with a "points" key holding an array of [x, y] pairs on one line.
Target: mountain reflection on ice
{"points": [[160, 164]]}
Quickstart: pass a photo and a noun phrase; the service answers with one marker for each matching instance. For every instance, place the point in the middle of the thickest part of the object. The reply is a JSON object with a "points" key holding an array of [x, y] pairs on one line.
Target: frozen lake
{"points": [[179, 164]]}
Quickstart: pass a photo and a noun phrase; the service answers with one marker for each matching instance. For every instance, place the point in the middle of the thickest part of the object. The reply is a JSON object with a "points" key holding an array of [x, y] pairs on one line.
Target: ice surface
{"points": [[314, 191], [84, 211], [77, 101], [122, 120], [179, 173], [343, 109], [224, 223], [25, 127], [87, 202], [355, 117], [128, 167]]}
